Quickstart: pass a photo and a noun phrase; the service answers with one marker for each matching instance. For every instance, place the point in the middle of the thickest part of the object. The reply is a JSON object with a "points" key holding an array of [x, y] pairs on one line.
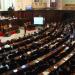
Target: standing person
{"points": [[25, 27], [73, 28]]}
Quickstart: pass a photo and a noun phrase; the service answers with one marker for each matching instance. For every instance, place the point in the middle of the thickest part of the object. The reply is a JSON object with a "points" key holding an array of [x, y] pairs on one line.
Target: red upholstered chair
{"points": [[13, 32], [1, 34]]}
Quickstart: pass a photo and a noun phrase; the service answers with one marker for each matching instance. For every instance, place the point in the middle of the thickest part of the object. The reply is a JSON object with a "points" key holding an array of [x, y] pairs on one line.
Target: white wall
{"points": [[48, 3], [60, 4], [2, 5], [8, 3], [22, 4], [18, 4], [5, 4]]}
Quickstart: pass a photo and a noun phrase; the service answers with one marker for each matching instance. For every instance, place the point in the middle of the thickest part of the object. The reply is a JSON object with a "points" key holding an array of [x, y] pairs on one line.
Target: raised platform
{"points": [[17, 35]]}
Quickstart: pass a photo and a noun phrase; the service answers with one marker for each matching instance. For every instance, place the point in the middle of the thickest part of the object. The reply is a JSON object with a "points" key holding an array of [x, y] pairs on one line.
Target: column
{"points": [[48, 3], [60, 4]]}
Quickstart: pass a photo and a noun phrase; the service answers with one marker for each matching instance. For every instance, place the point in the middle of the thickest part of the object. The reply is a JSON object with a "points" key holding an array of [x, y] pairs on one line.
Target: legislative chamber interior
{"points": [[37, 37]]}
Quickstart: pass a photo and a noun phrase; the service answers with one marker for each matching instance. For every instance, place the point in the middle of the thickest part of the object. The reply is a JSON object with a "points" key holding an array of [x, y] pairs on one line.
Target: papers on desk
{"points": [[46, 44], [1, 66], [0, 48], [29, 52], [7, 66], [35, 42], [66, 58], [45, 73], [55, 67], [20, 56], [36, 61], [10, 26], [53, 44], [47, 25], [63, 61], [33, 50], [41, 47], [71, 54], [15, 70], [14, 18], [23, 66], [62, 35], [16, 51], [73, 42], [66, 48], [59, 38], [63, 45], [68, 40], [7, 46]]}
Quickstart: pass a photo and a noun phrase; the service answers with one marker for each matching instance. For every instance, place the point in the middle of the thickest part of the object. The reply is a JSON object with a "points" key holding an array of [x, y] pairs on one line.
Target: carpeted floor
{"points": [[15, 36]]}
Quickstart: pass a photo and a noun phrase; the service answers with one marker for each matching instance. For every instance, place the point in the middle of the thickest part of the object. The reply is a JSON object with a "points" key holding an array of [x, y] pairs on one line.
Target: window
{"points": [[53, 0], [53, 4]]}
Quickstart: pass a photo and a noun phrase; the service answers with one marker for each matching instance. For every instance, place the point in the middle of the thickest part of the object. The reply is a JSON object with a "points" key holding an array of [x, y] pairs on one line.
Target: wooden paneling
{"points": [[49, 15]]}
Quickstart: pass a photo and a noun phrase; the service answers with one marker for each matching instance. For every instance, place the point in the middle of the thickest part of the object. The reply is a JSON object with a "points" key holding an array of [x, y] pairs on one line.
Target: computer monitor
{"points": [[38, 21], [29, 8]]}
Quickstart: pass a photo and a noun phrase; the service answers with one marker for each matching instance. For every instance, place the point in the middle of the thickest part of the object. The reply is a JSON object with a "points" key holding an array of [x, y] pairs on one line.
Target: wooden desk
{"points": [[58, 64], [34, 61]]}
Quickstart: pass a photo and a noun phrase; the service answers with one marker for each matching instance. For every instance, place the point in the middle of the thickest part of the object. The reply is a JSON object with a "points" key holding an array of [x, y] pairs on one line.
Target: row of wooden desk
{"points": [[56, 43]]}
